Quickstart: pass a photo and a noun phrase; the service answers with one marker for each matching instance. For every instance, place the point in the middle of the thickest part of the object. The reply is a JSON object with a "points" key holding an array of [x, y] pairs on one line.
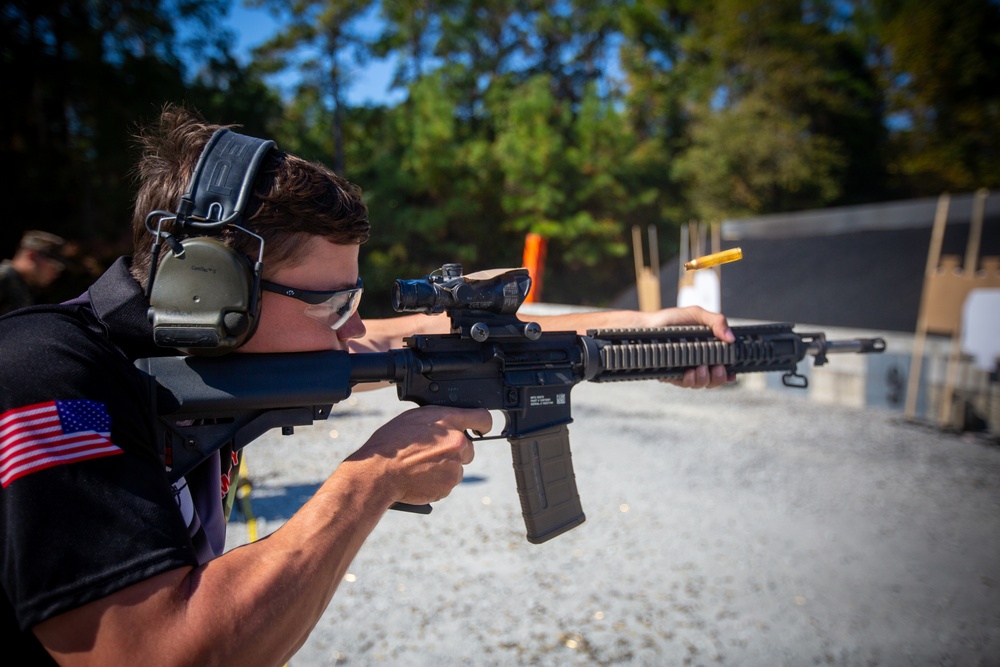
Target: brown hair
{"points": [[293, 198]]}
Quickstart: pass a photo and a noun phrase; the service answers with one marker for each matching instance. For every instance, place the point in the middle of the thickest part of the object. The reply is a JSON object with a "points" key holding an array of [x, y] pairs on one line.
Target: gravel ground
{"points": [[724, 527]]}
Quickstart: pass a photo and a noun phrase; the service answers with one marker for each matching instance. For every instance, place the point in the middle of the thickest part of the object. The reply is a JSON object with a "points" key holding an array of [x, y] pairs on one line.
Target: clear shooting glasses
{"points": [[332, 308]]}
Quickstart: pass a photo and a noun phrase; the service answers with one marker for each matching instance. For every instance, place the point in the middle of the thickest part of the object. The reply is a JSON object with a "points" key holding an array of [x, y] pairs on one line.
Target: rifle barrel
{"points": [[856, 345]]}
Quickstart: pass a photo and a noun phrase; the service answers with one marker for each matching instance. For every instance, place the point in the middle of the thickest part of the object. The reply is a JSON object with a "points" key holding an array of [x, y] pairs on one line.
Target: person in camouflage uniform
{"points": [[36, 265]]}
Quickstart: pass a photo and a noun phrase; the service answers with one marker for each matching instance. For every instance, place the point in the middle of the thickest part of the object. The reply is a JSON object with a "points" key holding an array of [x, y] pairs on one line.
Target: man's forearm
{"points": [[304, 562], [254, 605], [388, 333], [632, 319]]}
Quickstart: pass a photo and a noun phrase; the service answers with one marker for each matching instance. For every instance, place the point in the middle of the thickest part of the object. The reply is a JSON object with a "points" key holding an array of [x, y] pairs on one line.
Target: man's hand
{"points": [[695, 378], [689, 315], [422, 452], [703, 376]]}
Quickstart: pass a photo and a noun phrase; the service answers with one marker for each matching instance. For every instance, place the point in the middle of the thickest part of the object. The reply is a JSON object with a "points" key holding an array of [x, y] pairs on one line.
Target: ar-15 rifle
{"points": [[491, 359]]}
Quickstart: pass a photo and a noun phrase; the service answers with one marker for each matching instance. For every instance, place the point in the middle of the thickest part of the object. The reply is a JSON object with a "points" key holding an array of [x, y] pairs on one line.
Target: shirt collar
{"points": [[121, 305]]}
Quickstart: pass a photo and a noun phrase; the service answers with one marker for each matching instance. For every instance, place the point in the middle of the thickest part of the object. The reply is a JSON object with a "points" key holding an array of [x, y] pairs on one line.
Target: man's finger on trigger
{"points": [[478, 421], [485, 422]]}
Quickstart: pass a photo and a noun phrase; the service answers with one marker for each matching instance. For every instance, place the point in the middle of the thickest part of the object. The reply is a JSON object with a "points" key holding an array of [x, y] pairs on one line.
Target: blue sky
{"points": [[254, 26]]}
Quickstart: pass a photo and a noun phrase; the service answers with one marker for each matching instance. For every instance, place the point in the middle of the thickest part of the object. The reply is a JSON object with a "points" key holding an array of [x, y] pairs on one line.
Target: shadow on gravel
{"points": [[277, 503], [280, 503]]}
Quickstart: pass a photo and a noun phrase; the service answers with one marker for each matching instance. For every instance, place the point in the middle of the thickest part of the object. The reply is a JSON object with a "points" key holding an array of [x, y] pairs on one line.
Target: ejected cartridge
{"points": [[724, 257]]}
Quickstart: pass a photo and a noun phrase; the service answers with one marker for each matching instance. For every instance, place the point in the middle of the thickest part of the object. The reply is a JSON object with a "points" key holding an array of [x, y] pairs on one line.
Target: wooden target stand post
{"points": [[647, 278], [946, 287]]}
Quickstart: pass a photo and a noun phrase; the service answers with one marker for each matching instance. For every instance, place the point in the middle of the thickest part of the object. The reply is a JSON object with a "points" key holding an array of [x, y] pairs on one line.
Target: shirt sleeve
{"points": [[85, 503]]}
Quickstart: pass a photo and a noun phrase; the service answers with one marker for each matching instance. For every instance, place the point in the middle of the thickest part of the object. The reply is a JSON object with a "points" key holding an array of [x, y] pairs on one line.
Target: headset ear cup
{"points": [[204, 296], [204, 300]]}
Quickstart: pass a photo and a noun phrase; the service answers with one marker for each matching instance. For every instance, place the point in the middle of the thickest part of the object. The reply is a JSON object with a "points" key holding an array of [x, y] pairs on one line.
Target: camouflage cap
{"points": [[45, 243]]}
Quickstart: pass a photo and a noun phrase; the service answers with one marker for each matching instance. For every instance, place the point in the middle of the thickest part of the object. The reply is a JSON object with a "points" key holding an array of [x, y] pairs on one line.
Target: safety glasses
{"points": [[332, 308]]}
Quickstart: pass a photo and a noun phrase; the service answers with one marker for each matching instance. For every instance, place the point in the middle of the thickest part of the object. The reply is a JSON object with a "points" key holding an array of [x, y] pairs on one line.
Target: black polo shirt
{"points": [[85, 504]]}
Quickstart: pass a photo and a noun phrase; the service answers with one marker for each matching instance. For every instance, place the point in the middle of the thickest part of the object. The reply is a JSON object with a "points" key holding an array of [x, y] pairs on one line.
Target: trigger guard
{"points": [[477, 437]]}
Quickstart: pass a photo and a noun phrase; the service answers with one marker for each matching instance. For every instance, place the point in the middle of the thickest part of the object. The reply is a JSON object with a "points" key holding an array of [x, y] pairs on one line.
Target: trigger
{"points": [[500, 424]]}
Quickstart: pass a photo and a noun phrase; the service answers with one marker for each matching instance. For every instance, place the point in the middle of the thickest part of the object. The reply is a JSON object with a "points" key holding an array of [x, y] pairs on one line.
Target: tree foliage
{"points": [[79, 75], [576, 119], [937, 62]]}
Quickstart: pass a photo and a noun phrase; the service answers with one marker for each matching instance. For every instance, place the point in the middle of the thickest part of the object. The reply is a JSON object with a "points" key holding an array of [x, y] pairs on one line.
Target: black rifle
{"points": [[490, 360]]}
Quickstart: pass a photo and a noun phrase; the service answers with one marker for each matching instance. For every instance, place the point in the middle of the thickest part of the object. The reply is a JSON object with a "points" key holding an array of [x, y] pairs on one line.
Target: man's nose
{"points": [[353, 328]]}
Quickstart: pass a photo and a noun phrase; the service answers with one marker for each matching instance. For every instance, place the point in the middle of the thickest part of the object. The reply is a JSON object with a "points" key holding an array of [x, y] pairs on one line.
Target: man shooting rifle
{"points": [[239, 248]]}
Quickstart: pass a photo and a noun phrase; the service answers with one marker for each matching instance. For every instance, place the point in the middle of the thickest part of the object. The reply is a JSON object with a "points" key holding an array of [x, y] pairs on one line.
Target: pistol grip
{"points": [[415, 509], [546, 483]]}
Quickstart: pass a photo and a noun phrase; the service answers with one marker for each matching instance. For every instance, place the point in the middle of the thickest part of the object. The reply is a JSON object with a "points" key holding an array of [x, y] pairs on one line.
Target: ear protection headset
{"points": [[205, 296]]}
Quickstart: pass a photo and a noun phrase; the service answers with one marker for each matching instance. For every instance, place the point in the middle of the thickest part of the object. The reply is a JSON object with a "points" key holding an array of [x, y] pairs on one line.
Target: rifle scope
{"points": [[500, 291]]}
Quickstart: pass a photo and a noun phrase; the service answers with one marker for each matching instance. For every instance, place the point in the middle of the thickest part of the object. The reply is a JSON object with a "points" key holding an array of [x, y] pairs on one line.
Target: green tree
{"points": [[430, 189], [318, 41], [225, 91], [661, 62], [411, 28], [937, 62], [785, 116], [79, 75]]}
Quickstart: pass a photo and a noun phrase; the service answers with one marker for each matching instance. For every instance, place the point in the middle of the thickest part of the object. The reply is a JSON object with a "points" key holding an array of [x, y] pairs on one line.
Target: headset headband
{"points": [[222, 181]]}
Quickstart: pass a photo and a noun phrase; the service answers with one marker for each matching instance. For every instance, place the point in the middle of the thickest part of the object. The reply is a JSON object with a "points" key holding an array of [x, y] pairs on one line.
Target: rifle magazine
{"points": [[546, 483]]}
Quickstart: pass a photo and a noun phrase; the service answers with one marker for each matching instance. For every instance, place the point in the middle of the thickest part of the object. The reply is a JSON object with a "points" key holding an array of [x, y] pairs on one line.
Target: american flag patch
{"points": [[54, 433]]}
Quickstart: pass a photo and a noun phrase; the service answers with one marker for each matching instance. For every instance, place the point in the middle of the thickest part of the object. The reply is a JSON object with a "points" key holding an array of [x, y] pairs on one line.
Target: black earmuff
{"points": [[204, 296]]}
